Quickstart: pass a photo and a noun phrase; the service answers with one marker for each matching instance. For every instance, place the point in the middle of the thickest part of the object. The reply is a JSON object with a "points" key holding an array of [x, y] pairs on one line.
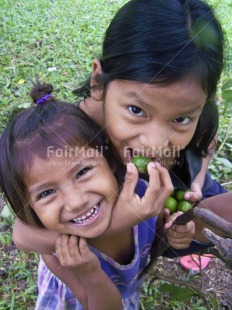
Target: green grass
{"points": [[57, 40]]}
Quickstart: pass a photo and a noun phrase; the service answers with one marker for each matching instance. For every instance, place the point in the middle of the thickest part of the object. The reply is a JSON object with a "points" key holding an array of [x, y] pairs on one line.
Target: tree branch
{"points": [[223, 245]]}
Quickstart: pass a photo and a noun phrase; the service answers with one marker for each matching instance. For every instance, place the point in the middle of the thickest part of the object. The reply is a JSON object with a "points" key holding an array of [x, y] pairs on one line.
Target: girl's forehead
{"points": [[52, 155], [75, 151], [188, 89], [60, 161]]}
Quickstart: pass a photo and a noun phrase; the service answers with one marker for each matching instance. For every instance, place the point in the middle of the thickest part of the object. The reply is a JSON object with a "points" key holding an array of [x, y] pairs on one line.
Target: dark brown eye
{"points": [[136, 110], [82, 172], [46, 193], [183, 120]]}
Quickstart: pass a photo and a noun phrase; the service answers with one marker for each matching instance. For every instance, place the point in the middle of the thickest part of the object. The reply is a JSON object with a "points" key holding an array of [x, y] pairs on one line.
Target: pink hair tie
{"points": [[43, 99]]}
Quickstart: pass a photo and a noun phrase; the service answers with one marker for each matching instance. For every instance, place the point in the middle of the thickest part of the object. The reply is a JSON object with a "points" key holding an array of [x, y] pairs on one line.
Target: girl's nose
{"points": [[155, 140], [75, 200]]}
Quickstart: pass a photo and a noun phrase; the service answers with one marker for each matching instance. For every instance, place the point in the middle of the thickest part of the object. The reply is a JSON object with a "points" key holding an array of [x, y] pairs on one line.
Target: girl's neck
{"points": [[119, 247]]}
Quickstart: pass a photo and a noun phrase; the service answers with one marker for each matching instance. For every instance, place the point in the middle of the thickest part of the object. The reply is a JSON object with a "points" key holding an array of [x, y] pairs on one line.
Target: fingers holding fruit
{"points": [[160, 185], [159, 188], [157, 178], [176, 202], [178, 236], [194, 194], [170, 218], [131, 179]]}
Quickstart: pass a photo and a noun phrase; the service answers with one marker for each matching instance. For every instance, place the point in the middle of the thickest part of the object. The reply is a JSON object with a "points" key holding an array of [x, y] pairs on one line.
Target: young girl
{"points": [[56, 173], [157, 82]]}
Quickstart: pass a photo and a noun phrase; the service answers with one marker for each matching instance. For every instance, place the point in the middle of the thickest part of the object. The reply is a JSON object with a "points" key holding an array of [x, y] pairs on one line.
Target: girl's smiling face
{"points": [[73, 195], [152, 120]]}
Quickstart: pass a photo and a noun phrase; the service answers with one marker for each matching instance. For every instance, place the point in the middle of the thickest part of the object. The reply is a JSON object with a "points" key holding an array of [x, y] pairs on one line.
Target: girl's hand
{"points": [[74, 254], [159, 188], [178, 236], [194, 194], [88, 282], [130, 209]]}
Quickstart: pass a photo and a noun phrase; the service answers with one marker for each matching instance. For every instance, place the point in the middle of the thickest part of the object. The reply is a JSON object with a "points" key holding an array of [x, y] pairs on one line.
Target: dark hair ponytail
{"points": [[40, 91]]}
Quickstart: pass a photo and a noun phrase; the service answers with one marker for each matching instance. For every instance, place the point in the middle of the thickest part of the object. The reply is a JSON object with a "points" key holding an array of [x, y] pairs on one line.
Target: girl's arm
{"points": [[81, 271], [195, 193], [28, 238], [67, 277]]}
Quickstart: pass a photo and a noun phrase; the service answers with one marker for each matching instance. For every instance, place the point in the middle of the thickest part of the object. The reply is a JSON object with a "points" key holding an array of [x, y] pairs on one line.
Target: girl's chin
{"points": [[90, 233]]}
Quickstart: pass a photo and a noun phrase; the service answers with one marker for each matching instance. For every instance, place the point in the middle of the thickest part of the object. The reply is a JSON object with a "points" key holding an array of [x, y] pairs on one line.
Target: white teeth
{"points": [[85, 218]]}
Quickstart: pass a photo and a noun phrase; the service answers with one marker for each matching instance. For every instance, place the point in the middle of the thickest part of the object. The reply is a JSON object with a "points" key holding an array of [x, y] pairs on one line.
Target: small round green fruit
{"points": [[180, 195], [184, 206], [141, 163], [171, 204]]}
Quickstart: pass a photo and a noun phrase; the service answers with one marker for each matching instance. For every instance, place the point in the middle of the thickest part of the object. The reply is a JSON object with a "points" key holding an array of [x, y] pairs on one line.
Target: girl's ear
{"points": [[96, 91]]}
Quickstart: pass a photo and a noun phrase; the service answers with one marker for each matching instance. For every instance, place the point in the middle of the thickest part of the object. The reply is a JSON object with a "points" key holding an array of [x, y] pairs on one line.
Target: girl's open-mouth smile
{"points": [[86, 218]]}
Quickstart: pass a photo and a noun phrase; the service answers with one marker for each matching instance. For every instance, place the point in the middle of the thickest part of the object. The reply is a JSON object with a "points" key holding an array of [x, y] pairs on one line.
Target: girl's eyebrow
{"points": [[194, 109], [135, 96], [39, 188]]}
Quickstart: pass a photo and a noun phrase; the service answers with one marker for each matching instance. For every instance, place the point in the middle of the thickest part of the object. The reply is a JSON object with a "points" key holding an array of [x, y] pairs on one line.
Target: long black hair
{"points": [[157, 41]]}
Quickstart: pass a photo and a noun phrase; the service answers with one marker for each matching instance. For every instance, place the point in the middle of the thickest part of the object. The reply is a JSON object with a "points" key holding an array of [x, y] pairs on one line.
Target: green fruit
{"points": [[141, 163], [184, 206], [171, 204], [180, 195]]}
